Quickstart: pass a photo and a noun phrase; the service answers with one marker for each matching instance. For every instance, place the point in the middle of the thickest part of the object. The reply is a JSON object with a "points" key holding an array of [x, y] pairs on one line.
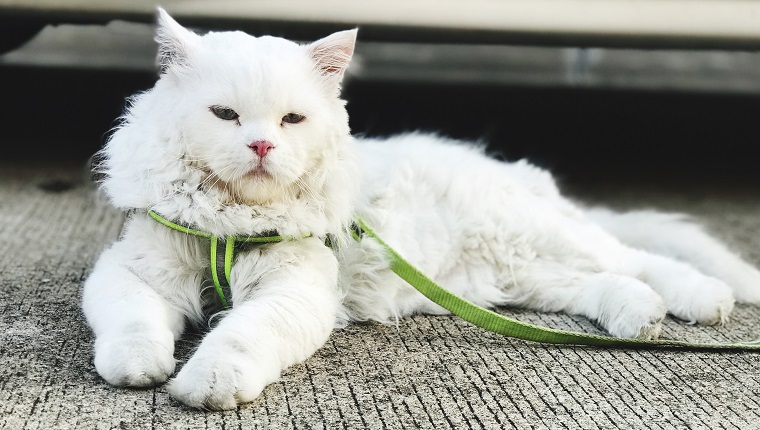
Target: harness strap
{"points": [[497, 323], [222, 252], [221, 258]]}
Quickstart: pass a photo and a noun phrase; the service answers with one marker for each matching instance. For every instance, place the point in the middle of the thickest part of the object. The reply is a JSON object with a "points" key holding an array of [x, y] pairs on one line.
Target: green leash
{"points": [[492, 321], [221, 262]]}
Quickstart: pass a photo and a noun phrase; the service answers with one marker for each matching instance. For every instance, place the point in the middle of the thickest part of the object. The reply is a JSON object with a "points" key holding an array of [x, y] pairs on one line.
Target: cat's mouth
{"points": [[259, 172]]}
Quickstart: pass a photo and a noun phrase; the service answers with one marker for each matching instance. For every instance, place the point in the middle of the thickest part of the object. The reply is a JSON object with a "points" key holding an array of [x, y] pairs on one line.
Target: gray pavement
{"points": [[427, 372]]}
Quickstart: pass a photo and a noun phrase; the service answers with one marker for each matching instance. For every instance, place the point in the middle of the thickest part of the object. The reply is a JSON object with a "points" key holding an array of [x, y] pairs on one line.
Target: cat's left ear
{"points": [[175, 42], [332, 54]]}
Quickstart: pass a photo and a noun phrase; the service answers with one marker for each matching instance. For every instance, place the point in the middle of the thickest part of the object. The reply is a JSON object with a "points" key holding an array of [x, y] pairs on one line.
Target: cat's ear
{"points": [[332, 54], [174, 41]]}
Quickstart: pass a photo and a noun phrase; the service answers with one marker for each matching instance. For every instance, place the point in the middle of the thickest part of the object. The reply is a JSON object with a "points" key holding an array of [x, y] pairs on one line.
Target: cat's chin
{"points": [[258, 187]]}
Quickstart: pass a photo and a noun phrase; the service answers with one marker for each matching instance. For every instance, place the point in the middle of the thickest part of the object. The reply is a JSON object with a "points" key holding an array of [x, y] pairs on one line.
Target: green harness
{"points": [[222, 252], [481, 317]]}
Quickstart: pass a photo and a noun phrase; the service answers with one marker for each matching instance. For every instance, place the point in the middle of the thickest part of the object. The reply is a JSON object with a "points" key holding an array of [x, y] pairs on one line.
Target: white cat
{"points": [[244, 135]]}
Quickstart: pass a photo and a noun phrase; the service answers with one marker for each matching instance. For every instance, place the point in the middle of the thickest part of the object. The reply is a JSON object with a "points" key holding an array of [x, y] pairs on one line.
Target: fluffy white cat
{"points": [[244, 135]]}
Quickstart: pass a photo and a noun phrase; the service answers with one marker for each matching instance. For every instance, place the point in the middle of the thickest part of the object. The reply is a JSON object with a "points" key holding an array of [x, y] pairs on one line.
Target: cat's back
{"points": [[427, 163]]}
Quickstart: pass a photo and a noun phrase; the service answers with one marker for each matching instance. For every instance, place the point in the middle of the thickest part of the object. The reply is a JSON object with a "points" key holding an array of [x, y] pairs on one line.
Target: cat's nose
{"points": [[261, 147]]}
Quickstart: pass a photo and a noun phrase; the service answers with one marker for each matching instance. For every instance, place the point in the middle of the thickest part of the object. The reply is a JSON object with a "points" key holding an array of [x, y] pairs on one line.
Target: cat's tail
{"points": [[675, 236]]}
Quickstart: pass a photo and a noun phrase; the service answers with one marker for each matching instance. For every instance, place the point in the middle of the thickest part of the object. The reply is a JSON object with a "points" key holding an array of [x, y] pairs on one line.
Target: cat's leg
{"points": [[622, 305], [278, 319], [689, 294], [134, 327], [673, 235]]}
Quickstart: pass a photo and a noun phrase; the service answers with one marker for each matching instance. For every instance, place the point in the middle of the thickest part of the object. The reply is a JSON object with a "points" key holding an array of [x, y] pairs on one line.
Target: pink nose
{"points": [[261, 147]]}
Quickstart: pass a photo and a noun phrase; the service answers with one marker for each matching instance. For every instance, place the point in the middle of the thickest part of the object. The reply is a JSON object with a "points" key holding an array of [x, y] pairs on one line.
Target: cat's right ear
{"points": [[332, 54], [175, 42]]}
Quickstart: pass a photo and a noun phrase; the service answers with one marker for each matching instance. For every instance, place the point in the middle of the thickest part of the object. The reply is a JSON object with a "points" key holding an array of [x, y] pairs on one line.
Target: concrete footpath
{"points": [[427, 372]]}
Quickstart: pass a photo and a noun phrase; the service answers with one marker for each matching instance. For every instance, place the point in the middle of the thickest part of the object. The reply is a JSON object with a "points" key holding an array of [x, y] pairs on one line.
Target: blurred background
{"points": [[596, 90]]}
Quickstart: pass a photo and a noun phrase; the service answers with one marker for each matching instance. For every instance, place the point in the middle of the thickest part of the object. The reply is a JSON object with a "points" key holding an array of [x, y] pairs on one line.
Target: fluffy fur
{"points": [[496, 233]]}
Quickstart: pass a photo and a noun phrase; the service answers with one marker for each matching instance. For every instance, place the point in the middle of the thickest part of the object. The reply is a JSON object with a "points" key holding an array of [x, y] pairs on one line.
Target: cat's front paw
{"points": [[135, 360], [220, 381]]}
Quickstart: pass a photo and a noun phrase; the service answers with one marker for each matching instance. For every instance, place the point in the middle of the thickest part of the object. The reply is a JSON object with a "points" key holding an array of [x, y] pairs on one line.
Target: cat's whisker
{"points": [[183, 156], [306, 188], [216, 176]]}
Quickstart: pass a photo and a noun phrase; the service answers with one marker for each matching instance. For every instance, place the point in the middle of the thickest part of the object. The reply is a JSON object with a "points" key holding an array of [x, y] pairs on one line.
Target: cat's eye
{"points": [[293, 118], [224, 113]]}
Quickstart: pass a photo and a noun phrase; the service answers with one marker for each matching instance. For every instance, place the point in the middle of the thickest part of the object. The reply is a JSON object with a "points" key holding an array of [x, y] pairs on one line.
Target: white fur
{"points": [[495, 233]]}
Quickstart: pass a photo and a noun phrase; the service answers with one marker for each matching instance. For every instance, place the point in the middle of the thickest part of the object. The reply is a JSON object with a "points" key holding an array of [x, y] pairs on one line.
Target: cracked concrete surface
{"points": [[428, 372]]}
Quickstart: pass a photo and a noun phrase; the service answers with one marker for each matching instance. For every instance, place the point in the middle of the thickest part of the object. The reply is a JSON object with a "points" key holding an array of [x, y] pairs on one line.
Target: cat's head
{"points": [[240, 119]]}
